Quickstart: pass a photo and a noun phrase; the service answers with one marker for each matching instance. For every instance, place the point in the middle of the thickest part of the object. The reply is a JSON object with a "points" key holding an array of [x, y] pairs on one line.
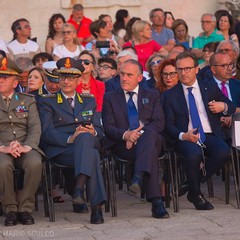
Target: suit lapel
{"points": [[204, 93], [233, 91], [180, 98], [15, 102], [122, 101]]}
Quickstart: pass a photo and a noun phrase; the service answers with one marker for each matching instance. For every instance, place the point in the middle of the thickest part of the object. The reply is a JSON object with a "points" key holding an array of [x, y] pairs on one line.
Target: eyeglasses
{"points": [[155, 62], [85, 61], [186, 69], [111, 53], [171, 74], [225, 50], [207, 22], [225, 66], [208, 51], [66, 32], [69, 78], [104, 67]]}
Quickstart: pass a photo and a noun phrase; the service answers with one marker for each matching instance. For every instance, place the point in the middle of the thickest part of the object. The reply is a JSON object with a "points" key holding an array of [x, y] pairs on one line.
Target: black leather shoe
{"points": [[135, 186], [96, 216], [11, 219], [80, 208], [158, 210], [199, 202], [25, 218], [183, 188]]}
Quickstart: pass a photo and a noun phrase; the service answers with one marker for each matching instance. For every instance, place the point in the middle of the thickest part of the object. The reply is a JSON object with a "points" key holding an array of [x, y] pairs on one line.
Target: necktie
{"points": [[7, 101], [224, 89], [70, 101], [132, 113], [196, 122]]}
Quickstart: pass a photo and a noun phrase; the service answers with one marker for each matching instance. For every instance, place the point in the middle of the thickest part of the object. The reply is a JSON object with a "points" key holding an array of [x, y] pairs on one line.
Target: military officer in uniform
{"points": [[51, 84], [20, 131], [71, 129]]}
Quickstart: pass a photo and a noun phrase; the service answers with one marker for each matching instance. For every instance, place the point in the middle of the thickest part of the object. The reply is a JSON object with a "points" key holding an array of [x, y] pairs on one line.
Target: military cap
{"points": [[69, 66], [50, 69], [8, 67]]}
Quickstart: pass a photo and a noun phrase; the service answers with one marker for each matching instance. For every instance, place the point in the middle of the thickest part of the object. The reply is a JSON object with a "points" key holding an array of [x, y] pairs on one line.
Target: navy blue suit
{"points": [[59, 122], [177, 119], [148, 147]]}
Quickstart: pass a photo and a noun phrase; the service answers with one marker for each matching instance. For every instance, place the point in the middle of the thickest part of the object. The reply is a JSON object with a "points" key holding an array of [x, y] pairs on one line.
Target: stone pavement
{"points": [[134, 222]]}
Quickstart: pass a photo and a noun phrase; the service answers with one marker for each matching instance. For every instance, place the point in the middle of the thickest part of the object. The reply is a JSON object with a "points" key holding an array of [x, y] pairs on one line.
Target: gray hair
{"points": [[24, 63], [211, 15], [128, 53], [235, 46]]}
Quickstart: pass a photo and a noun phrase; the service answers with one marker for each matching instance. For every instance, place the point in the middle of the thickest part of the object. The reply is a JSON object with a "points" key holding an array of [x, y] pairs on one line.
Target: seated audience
{"points": [[36, 79], [169, 19], [74, 140], [40, 58], [107, 68], [19, 138], [122, 17]]}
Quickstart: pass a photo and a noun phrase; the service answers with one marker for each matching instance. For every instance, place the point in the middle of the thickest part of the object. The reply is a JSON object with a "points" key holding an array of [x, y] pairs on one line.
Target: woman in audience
{"points": [[55, 36], [128, 35], [168, 76], [122, 18], [226, 26], [169, 19], [70, 47], [152, 67], [88, 84], [180, 30], [143, 43], [36, 78]]}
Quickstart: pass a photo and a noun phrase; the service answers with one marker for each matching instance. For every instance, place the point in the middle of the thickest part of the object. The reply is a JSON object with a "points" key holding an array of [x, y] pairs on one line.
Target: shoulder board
{"points": [[87, 95], [48, 95], [26, 94]]}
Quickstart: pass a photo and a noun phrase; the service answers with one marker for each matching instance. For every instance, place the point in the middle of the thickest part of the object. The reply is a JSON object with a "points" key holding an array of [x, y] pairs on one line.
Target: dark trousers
{"points": [[216, 152], [145, 155], [84, 156]]}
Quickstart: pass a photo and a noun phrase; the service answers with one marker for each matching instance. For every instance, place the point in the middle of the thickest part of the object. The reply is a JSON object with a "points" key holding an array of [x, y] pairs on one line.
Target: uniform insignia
{"points": [[79, 98], [4, 64], [59, 98], [48, 95], [67, 63], [40, 91], [87, 95], [22, 103], [21, 108], [16, 97], [87, 113]]}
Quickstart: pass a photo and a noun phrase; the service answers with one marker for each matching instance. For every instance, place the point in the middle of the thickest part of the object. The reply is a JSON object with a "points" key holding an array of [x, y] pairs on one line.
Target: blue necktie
{"points": [[132, 113], [196, 122]]}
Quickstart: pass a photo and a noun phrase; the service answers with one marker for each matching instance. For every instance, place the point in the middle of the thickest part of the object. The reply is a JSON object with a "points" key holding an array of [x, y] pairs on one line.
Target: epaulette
{"points": [[27, 94], [48, 95], [87, 95]]}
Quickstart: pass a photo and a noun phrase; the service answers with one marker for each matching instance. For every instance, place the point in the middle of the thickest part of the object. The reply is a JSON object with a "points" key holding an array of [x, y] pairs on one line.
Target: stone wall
{"points": [[39, 12]]}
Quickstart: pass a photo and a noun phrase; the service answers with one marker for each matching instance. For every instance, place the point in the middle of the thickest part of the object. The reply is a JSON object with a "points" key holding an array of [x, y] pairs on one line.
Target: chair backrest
{"points": [[236, 130]]}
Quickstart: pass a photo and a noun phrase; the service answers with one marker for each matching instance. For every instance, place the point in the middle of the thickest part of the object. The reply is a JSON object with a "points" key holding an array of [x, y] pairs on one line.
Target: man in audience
{"points": [[193, 125], [107, 68], [41, 58], [210, 34], [133, 121], [81, 23], [21, 45], [161, 34], [71, 129], [20, 132]]}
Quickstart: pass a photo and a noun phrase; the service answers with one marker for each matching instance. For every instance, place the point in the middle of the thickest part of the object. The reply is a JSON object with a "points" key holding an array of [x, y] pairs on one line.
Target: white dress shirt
{"points": [[219, 83]]}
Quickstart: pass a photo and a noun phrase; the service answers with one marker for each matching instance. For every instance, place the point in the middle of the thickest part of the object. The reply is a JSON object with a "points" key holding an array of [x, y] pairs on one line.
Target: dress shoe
{"points": [[158, 210], [25, 218], [96, 216], [135, 185], [79, 204], [183, 188], [11, 219], [199, 202]]}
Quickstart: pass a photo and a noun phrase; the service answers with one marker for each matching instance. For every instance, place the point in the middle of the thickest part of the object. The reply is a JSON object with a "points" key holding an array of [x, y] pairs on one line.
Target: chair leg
{"points": [[235, 169], [210, 187], [227, 181], [51, 203], [112, 184], [174, 177]]}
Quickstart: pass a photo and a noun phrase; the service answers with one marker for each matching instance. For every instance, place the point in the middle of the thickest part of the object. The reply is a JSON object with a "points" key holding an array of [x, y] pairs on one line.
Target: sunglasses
{"points": [[85, 61], [155, 63]]}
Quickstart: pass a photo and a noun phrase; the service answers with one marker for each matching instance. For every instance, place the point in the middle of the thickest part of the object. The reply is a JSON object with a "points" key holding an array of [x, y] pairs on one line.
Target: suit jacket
{"points": [[114, 83], [115, 116], [234, 86], [177, 114], [59, 121], [20, 121]]}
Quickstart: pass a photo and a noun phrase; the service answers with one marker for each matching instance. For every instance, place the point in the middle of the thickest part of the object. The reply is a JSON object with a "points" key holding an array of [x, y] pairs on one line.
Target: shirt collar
{"points": [[219, 81], [69, 96], [195, 85], [136, 90]]}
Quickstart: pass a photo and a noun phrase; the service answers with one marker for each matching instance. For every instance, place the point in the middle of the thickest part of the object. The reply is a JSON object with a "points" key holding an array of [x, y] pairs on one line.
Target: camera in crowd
{"points": [[102, 44]]}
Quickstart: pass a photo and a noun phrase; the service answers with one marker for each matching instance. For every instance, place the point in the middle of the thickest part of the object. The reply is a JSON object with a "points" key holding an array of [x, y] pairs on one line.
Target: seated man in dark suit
{"points": [[133, 121], [193, 124], [71, 129]]}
